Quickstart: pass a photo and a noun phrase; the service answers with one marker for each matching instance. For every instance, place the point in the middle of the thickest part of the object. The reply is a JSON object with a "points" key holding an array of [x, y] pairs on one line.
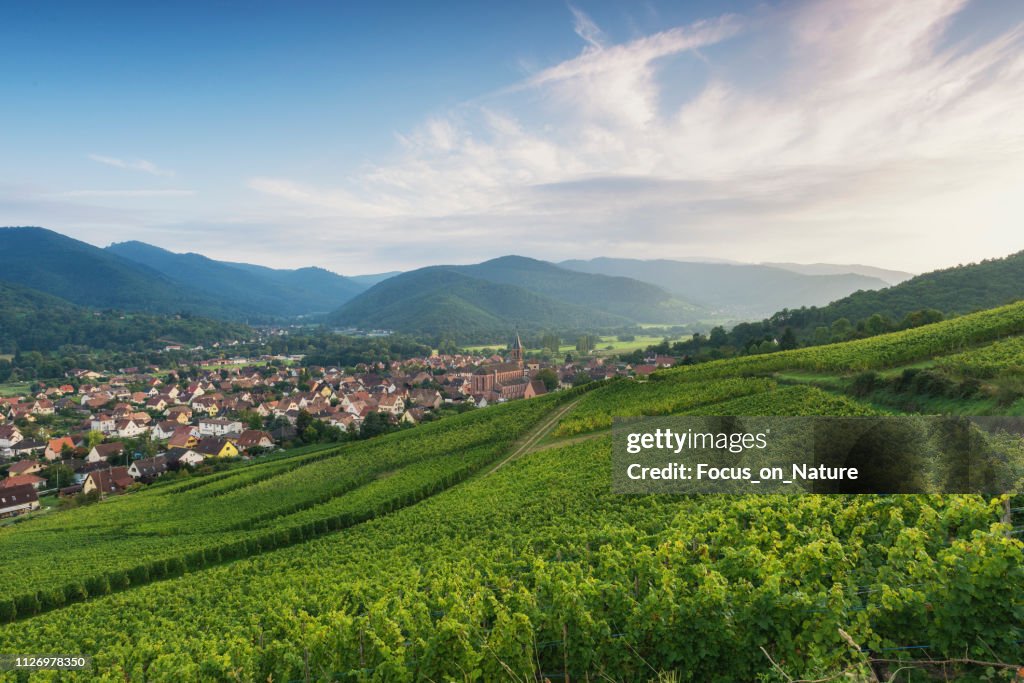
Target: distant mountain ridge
{"points": [[488, 300], [373, 278], [251, 290], [892, 277], [89, 276], [740, 290]]}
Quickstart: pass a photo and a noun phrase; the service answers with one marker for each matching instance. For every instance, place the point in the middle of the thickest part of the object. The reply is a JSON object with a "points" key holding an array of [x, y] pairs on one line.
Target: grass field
{"points": [[14, 388], [602, 348]]}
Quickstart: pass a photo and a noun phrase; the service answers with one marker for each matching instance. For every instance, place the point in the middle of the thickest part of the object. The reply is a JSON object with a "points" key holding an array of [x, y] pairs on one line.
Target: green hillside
{"points": [[251, 290], [34, 321], [744, 291], [486, 301], [623, 296], [445, 304], [957, 290], [90, 276], [488, 546]]}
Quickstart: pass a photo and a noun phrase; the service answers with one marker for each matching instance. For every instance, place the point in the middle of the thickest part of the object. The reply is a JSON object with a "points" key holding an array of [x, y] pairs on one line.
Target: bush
{"points": [[865, 383]]}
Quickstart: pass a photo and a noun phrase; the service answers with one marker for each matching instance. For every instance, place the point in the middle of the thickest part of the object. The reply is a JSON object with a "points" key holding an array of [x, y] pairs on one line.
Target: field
{"points": [[607, 345], [14, 389], [489, 546]]}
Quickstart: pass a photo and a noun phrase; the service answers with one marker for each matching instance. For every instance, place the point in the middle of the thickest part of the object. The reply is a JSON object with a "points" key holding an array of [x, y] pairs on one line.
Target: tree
{"points": [[585, 344], [375, 424], [94, 439], [59, 474], [718, 337], [551, 342], [549, 377], [788, 340], [581, 378], [841, 329], [303, 421]]}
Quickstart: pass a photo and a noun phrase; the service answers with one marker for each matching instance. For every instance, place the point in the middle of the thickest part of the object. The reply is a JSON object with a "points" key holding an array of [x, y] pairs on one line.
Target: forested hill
{"points": [[35, 321], [486, 301], [253, 290], [441, 303], [624, 296], [951, 291], [89, 276]]}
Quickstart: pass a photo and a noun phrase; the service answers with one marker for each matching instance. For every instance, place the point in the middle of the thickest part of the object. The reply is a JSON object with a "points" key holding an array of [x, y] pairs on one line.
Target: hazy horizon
{"points": [[371, 139]]}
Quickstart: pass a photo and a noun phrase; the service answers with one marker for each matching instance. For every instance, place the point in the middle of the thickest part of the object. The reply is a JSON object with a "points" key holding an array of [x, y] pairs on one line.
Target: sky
{"points": [[372, 137]]}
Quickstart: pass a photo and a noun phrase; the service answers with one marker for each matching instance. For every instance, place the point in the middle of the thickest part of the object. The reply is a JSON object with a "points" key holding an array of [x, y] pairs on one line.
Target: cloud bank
{"points": [[868, 132]]}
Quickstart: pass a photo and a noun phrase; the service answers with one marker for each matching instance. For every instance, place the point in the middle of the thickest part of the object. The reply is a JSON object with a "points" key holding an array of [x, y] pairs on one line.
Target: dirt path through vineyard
{"points": [[531, 439]]}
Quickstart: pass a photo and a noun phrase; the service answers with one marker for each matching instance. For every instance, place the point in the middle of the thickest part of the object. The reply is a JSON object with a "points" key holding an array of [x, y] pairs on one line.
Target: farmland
{"points": [[408, 557]]}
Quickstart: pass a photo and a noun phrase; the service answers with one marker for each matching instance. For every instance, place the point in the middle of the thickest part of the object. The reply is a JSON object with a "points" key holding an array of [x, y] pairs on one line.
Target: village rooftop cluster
{"points": [[97, 435]]}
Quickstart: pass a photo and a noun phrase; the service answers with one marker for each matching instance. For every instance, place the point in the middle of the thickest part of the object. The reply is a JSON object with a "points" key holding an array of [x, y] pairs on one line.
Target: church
{"points": [[507, 380]]}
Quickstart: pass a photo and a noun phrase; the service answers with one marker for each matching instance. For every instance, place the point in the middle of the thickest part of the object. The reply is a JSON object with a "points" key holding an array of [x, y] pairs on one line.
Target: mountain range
{"points": [[479, 302], [134, 276], [252, 291], [741, 291]]}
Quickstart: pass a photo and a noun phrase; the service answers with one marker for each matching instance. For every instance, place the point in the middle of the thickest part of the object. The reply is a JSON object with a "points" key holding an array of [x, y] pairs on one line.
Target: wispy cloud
{"points": [[867, 119], [126, 193], [132, 165], [586, 28]]}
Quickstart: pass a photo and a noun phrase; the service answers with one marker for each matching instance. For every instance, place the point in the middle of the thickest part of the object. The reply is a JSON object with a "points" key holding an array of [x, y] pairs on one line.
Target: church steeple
{"points": [[515, 352]]}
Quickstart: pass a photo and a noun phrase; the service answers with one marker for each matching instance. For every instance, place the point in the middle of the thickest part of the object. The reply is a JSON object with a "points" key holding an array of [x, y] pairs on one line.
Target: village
{"points": [[93, 435]]}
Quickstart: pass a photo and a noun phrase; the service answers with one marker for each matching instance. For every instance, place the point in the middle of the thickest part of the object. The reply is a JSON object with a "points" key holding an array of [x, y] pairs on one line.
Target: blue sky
{"points": [[365, 137]]}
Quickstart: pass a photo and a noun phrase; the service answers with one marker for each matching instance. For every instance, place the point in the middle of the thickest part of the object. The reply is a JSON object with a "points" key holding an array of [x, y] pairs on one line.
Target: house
{"points": [[342, 420], [104, 451], [9, 435], [254, 438], [180, 414], [392, 405], [176, 457], [426, 398], [216, 446], [536, 388], [22, 480], [55, 447], [43, 406], [28, 447], [185, 436], [17, 500], [103, 423], [157, 403], [213, 426], [148, 469], [109, 480], [24, 467], [164, 430], [129, 429]]}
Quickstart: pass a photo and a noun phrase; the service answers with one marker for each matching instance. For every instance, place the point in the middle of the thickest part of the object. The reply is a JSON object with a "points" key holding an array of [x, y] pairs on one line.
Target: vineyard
{"points": [[873, 353], [411, 557], [1005, 357], [540, 571], [134, 539]]}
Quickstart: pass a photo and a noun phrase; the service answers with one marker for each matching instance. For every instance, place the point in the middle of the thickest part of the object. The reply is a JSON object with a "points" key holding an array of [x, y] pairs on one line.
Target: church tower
{"points": [[515, 352]]}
